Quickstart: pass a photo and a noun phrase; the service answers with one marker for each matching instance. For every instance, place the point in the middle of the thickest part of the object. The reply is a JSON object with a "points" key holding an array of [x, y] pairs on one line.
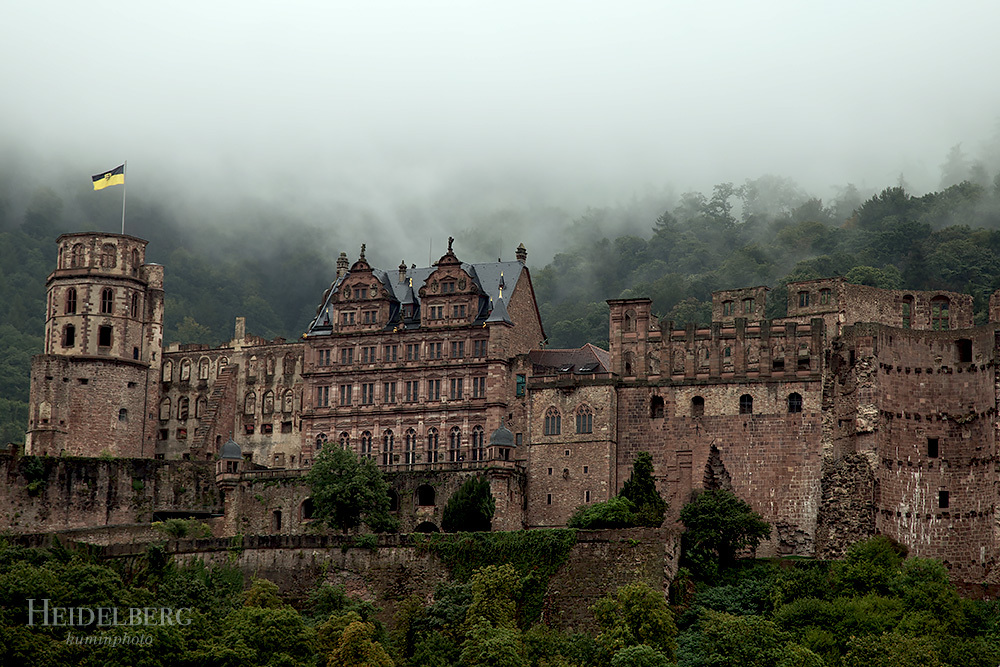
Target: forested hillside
{"points": [[763, 231]]}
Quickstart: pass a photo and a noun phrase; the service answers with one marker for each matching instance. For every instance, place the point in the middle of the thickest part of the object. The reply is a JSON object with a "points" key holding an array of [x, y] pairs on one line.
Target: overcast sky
{"points": [[397, 106]]}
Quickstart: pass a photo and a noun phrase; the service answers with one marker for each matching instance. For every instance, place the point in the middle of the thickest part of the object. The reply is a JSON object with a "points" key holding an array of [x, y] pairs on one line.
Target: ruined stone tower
{"points": [[94, 390]]}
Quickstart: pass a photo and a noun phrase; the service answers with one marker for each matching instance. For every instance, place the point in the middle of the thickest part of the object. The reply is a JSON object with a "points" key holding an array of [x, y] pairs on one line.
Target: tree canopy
{"points": [[347, 492], [717, 526], [470, 508]]}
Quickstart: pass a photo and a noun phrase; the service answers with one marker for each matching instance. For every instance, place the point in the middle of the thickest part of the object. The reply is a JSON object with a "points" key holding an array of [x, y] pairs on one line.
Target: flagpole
{"points": [[124, 186]]}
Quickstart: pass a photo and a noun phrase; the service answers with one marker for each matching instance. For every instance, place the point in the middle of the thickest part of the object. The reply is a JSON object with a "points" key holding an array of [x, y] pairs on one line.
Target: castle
{"points": [[862, 411]]}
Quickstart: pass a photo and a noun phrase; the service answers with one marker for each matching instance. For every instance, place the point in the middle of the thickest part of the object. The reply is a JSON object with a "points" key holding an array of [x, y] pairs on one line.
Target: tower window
{"points": [[746, 404], [943, 499], [932, 448], [698, 406], [795, 402], [107, 301], [71, 301], [964, 351], [69, 336], [939, 314], [104, 336]]}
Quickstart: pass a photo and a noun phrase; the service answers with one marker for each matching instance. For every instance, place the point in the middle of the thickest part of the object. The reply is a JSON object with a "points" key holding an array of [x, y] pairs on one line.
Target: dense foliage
{"points": [[470, 508], [874, 607], [637, 504], [347, 491]]}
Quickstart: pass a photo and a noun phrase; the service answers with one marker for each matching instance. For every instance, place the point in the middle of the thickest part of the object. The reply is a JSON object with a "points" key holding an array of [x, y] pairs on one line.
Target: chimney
{"points": [[342, 265], [402, 271], [241, 328], [521, 253]]}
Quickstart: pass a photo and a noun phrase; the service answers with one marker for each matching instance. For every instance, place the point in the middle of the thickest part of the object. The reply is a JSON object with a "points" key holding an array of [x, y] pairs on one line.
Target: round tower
{"points": [[93, 388]]}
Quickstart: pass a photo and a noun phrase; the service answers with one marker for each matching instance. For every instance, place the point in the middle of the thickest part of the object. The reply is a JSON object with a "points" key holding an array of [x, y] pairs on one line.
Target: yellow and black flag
{"points": [[114, 177]]}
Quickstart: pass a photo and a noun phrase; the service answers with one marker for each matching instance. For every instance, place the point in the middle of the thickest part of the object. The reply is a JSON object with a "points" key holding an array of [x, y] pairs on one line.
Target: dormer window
{"points": [[359, 293], [448, 287]]}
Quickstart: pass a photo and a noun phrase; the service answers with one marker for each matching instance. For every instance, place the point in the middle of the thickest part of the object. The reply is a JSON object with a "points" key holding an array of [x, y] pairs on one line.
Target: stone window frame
{"points": [[794, 402], [728, 308], [746, 404], [366, 444], [345, 440], [71, 302], [940, 313], [478, 443], [388, 445], [107, 301], [454, 444], [698, 406], [433, 442], [584, 419], [410, 446], [553, 421]]}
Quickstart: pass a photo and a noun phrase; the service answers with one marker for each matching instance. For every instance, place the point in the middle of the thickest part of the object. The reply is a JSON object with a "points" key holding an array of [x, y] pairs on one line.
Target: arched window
{"points": [[366, 444], [746, 404], [123, 414], [306, 509], [203, 368], [939, 313], [345, 440], [250, 403], [553, 422], [432, 445], [276, 521], [698, 406], [393, 501], [286, 401], [185, 370], [454, 445], [69, 335], [630, 320], [410, 445], [183, 407], [134, 306], [200, 406], [71, 301], [425, 495], [135, 261], [168, 371], [107, 301], [478, 443], [165, 409], [656, 407], [795, 402], [388, 442], [584, 420], [223, 362], [109, 256], [76, 256], [320, 440], [268, 406]]}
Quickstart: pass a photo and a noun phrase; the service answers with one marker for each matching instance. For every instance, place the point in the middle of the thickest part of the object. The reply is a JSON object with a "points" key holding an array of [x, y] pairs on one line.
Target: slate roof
{"points": [[585, 360]]}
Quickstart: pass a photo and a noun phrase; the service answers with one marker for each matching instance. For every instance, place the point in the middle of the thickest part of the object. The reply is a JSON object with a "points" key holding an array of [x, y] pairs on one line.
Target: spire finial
{"points": [[362, 251], [451, 239]]}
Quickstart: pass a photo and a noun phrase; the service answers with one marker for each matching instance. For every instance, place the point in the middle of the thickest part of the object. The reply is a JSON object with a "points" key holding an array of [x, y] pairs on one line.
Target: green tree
{"points": [[616, 512], [347, 492], [356, 648], [640, 488], [891, 650], [718, 525], [471, 508], [636, 614], [640, 655]]}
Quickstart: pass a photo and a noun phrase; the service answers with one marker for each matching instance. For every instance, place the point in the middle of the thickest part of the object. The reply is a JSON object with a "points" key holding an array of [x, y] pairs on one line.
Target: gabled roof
{"points": [[492, 279]]}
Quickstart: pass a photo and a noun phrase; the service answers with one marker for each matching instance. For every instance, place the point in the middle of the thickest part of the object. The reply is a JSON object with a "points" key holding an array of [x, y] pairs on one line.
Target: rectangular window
{"points": [[412, 351], [479, 348], [389, 392], [370, 317], [390, 352], [359, 293], [368, 355], [347, 317], [104, 336], [479, 387], [368, 393], [434, 390], [586, 496], [906, 315], [585, 469], [455, 389], [286, 427], [434, 350], [943, 500], [727, 308], [411, 395], [435, 312], [458, 311], [345, 394], [824, 297], [522, 383], [747, 306], [267, 429], [324, 358], [548, 499], [347, 355], [448, 287], [803, 299], [550, 472], [518, 439], [322, 397], [457, 349], [932, 448]]}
